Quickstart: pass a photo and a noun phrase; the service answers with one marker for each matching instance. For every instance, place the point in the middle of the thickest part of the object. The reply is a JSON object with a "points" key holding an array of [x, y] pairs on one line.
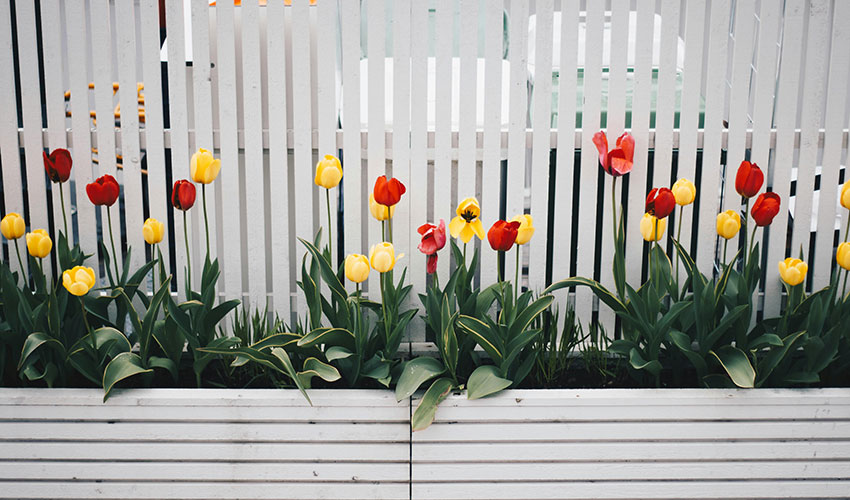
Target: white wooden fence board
{"points": [[542, 96], [10, 156], [375, 162], [666, 103], [518, 121], [443, 170], [354, 212], [326, 116], [466, 156]]}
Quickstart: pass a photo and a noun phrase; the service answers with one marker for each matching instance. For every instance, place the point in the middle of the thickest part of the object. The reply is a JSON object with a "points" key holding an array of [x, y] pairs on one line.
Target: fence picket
{"points": [[326, 112], [10, 155], [376, 126], [354, 210], [517, 143], [443, 122], [666, 106]]}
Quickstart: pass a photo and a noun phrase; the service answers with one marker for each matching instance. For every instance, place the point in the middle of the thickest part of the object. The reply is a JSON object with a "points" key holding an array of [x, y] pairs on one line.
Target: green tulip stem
{"points": [[384, 311], [390, 228], [679, 240], [206, 220], [64, 217], [501, 265], [847, 229], [112, 242], [436, 280], [330, 239], [744, 222], [20, 261], [383, 231], [153, 276], [357, 289], [725, 245], [516, 274], [752, 240], [464, 255], [86, 322], [188, 256], [844, 285], [614, 212]]}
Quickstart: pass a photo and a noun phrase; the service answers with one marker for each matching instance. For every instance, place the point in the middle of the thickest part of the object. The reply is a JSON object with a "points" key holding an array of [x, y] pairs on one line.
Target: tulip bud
{"points": [[749, 179], [382, 257], [526, 228], [153, 230], [204, 167], [328, 172], [502, 235], [78, 280], [765, 208], [728, 224], [652, 228], [845, 195], [660, 202], [103, 191], [793, 271], [356, 268], [39, 243], [58, 165], [183, 195], [13, 226], [684, 191], [842, 255], [378, 211], [388, 192]]}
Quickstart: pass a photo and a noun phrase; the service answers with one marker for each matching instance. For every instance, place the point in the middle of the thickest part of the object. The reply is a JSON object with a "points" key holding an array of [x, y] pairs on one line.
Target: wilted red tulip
{"points": [[388, 192], [183, 195], [58, 164], [660, 202], [103, 191], [618, 161], [749, 179], [765, 208], [502, 235], [433, 240]]}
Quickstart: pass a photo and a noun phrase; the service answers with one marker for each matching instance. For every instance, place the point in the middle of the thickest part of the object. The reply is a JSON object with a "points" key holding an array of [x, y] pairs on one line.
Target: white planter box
{"points": [[642, 443]]}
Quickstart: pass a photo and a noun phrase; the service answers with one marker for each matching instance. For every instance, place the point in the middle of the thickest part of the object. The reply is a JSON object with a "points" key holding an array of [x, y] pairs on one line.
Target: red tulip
{"points": [[618, 161], [433, 237], [765, 208], [103, 191], [660, 202], [502, 235], [749, 179], [388, 192], [58, 164], [183, 195]]}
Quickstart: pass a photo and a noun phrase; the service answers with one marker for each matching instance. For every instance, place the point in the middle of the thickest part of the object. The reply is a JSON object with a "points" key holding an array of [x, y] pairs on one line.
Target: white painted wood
{"points": [[666, 104], [518, 121], [443, 171], [542, 106], [9, 146], [375, 162], [326, 117], [466, 156], [354, 212]]}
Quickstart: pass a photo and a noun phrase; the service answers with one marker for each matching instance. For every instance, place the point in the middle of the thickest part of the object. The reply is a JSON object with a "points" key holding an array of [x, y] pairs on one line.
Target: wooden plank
{"points": [[158, 189], [444, 34], [468, 100], [326, 112], [517, 148], [542, 106], [10, 154], [834, 122], [355, 211], [376, 123], [666, 97]]}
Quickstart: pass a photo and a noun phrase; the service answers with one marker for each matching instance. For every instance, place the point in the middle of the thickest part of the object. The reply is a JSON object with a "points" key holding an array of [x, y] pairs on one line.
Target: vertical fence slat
{"points": [[132, 158], [739, 120], [179, 124], [10, 156], [467, 103], [666, 98], [836, 107], [158, 200], [645, 23], [590, 120], [542, 102], [491, 166], [376, 166], [562, 217], [713, 134], [31, 104], [517, 147], [444, 34], [80, 123], [326, 118]]}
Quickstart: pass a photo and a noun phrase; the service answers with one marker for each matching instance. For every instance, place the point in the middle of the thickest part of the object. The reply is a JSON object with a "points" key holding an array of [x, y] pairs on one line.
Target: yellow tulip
{"points": [[153, 230], [792, 271], [328, 172], [728, 224], [526, 228], [380, 212], [467, 223], [39, 243], [13, 226], [845, 195], [78, 280], [383, 258], [684, 191], [204, 167], [357, 267], [842, 256], [651, 228]]}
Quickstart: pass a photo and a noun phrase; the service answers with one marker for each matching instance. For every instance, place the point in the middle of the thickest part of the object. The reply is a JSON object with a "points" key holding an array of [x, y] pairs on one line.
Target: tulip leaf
{"points": [[123, 366], [639, 363], [315, 368], [283, 339], [427, 408], [34, 341], [483, 335], [524, 318], [414, 373], [484, 381], [337, 352], [600, 291], [775, 356], [328, 336], [736, 364]]}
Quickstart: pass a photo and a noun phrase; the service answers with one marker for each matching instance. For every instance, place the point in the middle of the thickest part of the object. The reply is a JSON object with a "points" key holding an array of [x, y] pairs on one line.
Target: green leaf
{"points": [[737, 365], [337, 352], [36, 340], [483, 336], [683, 343], [165, 364], [328, 336], [524, 318], [427, 408], [315, 368], [600, 291], [123, 366], [485, 380], [639, 363], [768, 339], [414, 373], [283, 359]]}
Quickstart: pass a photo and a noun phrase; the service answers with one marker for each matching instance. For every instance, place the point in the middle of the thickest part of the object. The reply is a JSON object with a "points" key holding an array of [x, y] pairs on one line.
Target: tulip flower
{"points": [[466, 223], [749, 179], [684, 191], [58, 167], [660, 202], [526, 228], [652, 228], [765, 208], [433, 240], [842, 255], [793, 271], [204, 167], [183, 197], [357, 268], [728, 224], [103, 191], [502, 235], [328, 172], [383, 258], [13, 227], [153, 231], [378, 211], [78, 280], [618, 161], [388, 192], [845, 195], [39, 243]]}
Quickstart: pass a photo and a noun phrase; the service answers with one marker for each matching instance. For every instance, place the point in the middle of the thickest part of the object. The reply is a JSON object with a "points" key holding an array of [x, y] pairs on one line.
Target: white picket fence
{"points": [[452, 97]]}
